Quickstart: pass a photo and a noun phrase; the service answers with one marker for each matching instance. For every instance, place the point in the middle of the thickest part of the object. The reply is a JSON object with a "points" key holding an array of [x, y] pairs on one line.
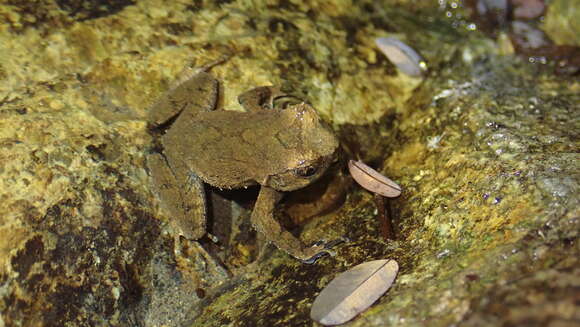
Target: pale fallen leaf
{"points": [[353, 291], [402, 56], [372, 180]]}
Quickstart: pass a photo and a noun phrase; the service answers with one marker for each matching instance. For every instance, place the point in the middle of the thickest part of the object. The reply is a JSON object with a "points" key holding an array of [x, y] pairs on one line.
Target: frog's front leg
{"points": [[265, 223]]}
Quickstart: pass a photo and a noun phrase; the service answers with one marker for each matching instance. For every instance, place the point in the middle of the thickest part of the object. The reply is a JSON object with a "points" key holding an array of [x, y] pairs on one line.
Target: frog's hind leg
{"points": [[181, 195], [197, 94], [194, 91]]}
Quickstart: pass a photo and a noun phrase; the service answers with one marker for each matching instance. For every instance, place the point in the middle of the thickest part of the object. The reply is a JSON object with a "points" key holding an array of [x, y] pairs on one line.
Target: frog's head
{"points": [[310, 146]]}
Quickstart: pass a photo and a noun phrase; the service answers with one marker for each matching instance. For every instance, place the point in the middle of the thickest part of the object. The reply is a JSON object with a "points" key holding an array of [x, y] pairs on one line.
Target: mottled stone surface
{"points": [[562, 22], [485, 147]]}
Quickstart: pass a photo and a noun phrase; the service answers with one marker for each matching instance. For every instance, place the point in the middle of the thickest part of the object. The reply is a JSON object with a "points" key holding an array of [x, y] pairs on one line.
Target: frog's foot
{"points": [[190, 71], [212, 238], [193, 258], [193, 91], [321, 249], [259, 98], [267, 98]]}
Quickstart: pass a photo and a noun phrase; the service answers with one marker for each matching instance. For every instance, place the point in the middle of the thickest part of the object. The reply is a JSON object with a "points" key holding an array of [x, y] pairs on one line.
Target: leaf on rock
{"points": [[372, 180], [403, 56], [353, 291]]}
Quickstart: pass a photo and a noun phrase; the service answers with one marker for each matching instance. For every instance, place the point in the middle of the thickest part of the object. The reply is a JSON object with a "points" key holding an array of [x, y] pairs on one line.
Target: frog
{"points": [[278, 142]]}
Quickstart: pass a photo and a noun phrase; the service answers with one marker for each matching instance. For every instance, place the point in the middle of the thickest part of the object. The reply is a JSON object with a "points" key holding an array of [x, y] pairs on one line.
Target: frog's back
{"points": [[231, 149], [226, 148]]}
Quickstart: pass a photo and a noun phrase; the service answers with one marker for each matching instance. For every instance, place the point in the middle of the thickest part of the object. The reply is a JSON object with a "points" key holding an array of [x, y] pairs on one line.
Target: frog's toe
{"points": [[333, 243], [322, 248], [212, 238], [315, 257], [320, 243]]}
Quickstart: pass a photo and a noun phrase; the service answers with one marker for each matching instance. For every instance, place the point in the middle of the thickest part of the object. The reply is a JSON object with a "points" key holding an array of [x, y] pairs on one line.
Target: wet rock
{"points": [[528, 9], [562, 22]]}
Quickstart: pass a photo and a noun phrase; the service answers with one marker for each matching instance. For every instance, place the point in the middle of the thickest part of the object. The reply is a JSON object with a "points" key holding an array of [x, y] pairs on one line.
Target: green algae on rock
{"points": [[562, 22]]}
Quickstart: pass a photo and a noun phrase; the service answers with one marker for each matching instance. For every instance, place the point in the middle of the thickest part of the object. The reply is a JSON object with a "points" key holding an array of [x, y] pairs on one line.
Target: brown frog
{"points": [[281, 145]]}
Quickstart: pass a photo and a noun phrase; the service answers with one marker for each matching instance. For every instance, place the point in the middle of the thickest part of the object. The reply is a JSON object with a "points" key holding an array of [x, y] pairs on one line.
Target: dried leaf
{"points": [[372, 180], [353, 291], [402, 56]]}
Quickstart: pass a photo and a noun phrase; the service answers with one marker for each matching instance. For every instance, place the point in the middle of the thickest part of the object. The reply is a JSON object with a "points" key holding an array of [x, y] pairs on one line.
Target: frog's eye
{"points": [[285, 101], [306, 171]]}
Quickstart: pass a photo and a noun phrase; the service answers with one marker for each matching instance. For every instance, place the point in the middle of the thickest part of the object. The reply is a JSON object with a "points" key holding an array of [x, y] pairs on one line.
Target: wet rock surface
{"points": [[485, 147]]}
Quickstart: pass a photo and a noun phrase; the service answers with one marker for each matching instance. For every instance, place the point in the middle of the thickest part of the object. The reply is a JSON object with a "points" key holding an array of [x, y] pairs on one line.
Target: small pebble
{"points": [[485, 6], [528, 9], [493, 12], [527, 36]]}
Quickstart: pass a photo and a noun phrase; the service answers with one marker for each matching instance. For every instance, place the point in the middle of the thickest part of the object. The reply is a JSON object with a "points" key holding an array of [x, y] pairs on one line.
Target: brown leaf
{"points": [[372, 180], [353, 291]]}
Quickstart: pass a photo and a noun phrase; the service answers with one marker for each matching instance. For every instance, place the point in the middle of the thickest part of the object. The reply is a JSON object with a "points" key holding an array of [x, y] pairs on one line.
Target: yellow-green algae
{"points": [[562, 22], [486, 148]]}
